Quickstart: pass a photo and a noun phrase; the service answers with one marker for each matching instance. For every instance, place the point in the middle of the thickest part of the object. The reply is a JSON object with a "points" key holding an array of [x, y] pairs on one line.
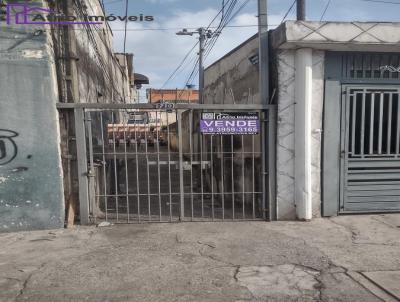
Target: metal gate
{"points": [[370, 139], [165, 163]]}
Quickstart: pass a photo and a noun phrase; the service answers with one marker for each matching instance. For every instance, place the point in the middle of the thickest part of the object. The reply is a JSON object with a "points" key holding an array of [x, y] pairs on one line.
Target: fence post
{"points": [[271, 153], [82, 165], [181, 184]]}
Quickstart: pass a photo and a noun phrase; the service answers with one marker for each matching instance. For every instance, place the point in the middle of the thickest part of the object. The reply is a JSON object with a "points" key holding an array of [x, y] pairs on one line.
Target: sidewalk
{"points": [[347, 258]]}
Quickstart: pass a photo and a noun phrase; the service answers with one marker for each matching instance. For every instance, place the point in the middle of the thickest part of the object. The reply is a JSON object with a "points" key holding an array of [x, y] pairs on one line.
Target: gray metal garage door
{"points": [[370, 142]]}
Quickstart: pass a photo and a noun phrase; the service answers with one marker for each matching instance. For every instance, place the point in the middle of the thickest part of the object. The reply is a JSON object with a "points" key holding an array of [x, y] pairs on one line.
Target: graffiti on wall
{"points": [[8, 147]]}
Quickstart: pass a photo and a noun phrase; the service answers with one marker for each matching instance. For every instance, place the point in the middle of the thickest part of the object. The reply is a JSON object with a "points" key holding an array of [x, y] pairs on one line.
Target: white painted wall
{"points": [[286, 97]]}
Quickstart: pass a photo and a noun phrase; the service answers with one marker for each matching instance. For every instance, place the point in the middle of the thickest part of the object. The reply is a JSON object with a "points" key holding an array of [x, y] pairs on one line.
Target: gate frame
{"points": [[344, 147], [334, 81], [268, 116]]}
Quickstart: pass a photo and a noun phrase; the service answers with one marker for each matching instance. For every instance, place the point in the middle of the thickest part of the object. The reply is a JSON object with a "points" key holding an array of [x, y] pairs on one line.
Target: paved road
{"points": [[324, 260]]}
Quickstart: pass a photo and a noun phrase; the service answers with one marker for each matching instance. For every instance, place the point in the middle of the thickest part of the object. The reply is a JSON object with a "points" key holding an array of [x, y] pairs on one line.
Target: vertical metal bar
{"points": [[362, 138], [82, 166], [222, 177], [158, 128], [146, 133], [380, 123], [271, 149], [344, 140], [232, 180], [243, 183], [126, 173], [91, 176], [104, 164], [115, 166], [353, 98], [371, 126], [169, 169], [389, 131], [253, 177], [264, 168], [137, 171], [212, 177], [398, 126], [201, 175], [191, 160], [181, 184]]}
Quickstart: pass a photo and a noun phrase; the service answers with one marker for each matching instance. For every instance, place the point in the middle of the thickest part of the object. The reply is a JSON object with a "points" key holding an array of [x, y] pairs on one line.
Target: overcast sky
{"points": [[158, 53]]}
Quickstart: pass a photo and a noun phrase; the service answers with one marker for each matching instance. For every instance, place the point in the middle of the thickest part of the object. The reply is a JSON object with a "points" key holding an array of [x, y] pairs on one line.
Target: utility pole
{"points": [[202, 38], [203, 35], [301, 10], [263, 51], [268, 132]]}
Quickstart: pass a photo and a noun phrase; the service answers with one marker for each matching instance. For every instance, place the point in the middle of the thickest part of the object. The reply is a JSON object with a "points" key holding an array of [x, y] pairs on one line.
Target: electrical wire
{"points": [[288, 11], [324, 12], [173, 28], [227, 15], [233, 16], [174, 73], [381, 1]]}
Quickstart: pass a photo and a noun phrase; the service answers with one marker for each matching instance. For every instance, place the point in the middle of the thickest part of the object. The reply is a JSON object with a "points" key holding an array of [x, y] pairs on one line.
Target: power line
{"points": [[326, 8], [169, 28], [226, 15], [218, 31], [180, 65], [288, 11], [221, 12], [381, 1], [226, 24]]}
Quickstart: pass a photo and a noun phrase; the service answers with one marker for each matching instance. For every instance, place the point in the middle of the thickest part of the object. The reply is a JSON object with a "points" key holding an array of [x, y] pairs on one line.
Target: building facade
{"points": [[336, 88], [42, 65]]}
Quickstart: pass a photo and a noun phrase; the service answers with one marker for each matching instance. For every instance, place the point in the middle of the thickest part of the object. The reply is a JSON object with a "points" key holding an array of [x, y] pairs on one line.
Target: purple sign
{"points": [[230, 123]]}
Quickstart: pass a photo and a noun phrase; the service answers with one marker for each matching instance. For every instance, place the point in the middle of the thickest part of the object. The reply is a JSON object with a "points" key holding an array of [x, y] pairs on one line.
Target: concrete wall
{"points": [[233, 78], [39, 68], [99, 73], [285, 60], [31, 189], [235, 72]]}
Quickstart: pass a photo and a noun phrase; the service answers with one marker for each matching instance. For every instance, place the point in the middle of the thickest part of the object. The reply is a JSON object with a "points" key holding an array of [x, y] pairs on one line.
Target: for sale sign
{"points": [[230, 123]]}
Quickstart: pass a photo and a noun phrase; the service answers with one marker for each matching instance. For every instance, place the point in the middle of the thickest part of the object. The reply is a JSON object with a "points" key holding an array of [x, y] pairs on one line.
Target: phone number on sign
{"points": [[232, 130]]}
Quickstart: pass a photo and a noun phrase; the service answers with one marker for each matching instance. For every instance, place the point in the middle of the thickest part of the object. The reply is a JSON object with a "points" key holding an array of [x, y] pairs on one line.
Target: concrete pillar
{"points": [[303, 99]]}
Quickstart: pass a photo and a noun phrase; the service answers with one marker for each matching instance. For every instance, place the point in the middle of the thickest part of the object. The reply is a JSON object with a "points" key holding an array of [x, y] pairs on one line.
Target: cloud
{"points": [[158, 53]]}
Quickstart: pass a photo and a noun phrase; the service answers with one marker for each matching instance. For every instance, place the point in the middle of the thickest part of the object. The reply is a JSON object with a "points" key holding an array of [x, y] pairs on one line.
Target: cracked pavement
{"points": [[322, 260]]}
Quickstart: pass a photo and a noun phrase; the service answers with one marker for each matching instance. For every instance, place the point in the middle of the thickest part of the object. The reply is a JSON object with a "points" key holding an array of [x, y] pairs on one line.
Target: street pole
{"points": [[268, 118], [202, 39], [301, 10], [263, 51], [203, 34]]}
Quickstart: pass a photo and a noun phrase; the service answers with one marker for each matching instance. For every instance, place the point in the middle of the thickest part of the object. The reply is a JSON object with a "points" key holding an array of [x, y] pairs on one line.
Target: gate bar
{"points": [[271, 165], [181, 185], [82, 166]]}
